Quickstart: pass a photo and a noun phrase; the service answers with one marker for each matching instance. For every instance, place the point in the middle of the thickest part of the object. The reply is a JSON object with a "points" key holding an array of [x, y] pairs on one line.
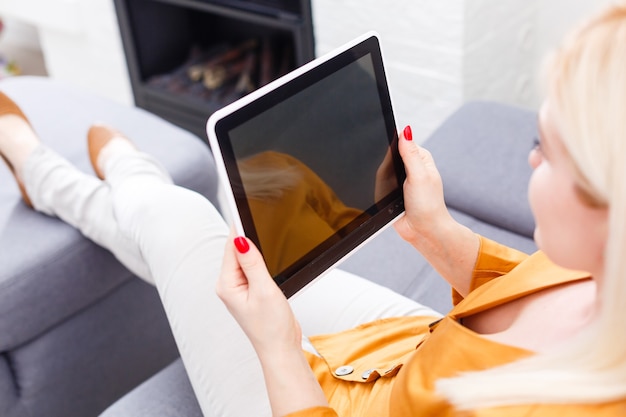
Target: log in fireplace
{"points": [[188, 58]]}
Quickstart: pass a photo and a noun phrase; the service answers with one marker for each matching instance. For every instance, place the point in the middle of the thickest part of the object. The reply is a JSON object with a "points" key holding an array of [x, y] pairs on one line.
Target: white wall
{"points": [[19, 43], [555, 19], [438, 53], [442, 53], [421, 45], [80, 42], [557, 16], [20, 34]]}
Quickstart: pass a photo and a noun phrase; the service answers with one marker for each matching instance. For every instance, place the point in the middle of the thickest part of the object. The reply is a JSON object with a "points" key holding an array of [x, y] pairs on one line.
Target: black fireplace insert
{"points": [[271, 7], [188, 58]]}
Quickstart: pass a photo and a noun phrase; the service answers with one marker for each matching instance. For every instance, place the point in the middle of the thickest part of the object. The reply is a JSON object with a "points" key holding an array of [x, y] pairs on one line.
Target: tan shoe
{"points": [[8, 106], [98, 137]]}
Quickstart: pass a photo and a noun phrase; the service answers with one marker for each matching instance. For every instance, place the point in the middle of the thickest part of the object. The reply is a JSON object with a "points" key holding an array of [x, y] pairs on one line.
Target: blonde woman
{"points": [[539, 335]]}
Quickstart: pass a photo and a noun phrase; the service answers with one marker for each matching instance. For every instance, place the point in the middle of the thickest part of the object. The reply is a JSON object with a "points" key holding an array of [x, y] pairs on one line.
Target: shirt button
{"points": [[344, 370], [367, 373]]}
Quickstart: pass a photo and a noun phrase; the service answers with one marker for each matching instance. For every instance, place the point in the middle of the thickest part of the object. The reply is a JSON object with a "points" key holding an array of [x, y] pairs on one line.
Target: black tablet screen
{"points": [[315, 172]]}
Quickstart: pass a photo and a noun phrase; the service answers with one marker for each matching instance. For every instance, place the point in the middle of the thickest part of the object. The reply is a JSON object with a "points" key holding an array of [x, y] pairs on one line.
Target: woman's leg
{"points": [[348, 301], [55, 187], [58, 189], [181, 237]]}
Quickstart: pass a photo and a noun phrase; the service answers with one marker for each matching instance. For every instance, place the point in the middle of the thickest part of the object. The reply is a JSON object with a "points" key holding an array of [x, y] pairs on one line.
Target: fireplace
{"points": [[188, 58]]}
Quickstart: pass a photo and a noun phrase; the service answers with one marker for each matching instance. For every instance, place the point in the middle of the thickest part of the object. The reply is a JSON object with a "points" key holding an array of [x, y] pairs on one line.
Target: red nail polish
{"points": [[242, 245], [408, 134]]}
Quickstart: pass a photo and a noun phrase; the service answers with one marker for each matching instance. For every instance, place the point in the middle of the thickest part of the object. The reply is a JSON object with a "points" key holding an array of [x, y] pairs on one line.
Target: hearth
{"points": [[188, 58]]}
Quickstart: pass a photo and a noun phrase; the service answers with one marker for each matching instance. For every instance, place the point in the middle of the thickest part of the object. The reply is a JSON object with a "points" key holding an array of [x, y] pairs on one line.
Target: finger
{"points": [[251, 262], [409, 151], [415, 157]]}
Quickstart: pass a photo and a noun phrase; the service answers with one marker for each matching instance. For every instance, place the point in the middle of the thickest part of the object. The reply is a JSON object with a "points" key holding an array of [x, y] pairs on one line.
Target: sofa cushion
{"points": [[168, 393], [83, 364], [48, 271]]}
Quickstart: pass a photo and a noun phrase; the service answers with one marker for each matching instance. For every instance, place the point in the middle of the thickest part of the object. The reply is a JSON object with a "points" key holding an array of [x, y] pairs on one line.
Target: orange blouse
{"points": [[389, 367]]}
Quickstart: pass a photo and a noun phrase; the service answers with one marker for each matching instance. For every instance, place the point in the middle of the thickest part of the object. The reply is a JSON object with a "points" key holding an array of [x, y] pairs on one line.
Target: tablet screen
{"points": [[313, 165]]}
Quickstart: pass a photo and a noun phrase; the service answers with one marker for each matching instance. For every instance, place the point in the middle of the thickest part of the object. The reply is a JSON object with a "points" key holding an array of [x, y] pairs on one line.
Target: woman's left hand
{"points": [[255, 301]]}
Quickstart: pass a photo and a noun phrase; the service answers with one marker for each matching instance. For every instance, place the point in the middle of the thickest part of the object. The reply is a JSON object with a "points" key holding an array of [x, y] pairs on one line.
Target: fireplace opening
{"points": [[188, 58]]}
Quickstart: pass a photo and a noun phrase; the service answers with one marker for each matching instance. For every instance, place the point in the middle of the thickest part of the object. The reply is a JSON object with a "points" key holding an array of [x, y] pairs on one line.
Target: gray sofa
{"points": [[481, 151], [78, 330], [79, 334]]}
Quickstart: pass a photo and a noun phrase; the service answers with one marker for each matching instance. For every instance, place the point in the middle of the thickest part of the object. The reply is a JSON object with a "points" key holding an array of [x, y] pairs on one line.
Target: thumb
{"points": [[415, 158]]}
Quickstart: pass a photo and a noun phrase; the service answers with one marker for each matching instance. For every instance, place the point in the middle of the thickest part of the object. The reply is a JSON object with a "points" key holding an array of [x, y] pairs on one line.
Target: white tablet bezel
{"points": [[228, 110]]}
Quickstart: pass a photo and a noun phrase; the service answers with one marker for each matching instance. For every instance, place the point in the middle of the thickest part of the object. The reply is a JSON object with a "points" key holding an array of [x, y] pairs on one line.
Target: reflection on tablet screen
{"points": [[293, 209]]}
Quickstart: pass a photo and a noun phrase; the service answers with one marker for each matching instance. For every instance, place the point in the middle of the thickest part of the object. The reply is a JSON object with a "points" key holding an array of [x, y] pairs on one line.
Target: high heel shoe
{"points": [[98, 137], [8, 106]]}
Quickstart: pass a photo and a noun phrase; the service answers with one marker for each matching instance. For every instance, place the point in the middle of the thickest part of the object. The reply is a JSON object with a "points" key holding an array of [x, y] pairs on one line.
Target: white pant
{"points": [[174, 238]]}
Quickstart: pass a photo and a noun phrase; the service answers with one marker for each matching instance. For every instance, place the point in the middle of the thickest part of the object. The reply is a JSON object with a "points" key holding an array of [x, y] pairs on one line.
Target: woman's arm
{"points": [[450, 247], [291, 385], [264, 314]]}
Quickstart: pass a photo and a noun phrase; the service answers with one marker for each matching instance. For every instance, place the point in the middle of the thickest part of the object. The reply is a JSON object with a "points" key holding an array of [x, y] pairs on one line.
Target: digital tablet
{"points": [[310, 162]]}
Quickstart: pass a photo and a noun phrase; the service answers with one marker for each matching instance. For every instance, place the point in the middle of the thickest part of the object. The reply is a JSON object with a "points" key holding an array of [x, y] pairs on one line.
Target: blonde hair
{"points": [[587, 87]]}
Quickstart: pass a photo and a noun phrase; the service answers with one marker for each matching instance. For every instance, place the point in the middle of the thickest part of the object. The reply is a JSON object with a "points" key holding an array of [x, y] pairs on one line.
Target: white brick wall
{"points": [[440, 53]]}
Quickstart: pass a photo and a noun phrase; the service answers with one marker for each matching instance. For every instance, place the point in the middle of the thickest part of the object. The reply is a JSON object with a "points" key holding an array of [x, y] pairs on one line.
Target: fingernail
{"points": [[408, 134], [242, 244]]}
